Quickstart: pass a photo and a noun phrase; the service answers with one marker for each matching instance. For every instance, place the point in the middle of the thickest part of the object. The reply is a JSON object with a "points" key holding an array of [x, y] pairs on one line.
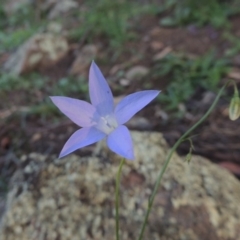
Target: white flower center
{"points": [[107, 124]]}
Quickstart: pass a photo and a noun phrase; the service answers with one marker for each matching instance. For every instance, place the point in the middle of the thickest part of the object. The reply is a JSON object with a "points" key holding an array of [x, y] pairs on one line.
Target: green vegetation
{"points": [[14, 39], [214, 12], [235, 41], [71, 85], [188, 74], [9, 82], [33, 83], [18, 26], [64, 86], [114, 23], [113, 20]]}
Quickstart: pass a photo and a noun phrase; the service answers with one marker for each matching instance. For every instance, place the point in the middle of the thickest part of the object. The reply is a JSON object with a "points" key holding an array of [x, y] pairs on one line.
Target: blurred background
{"points": [[188, 49]]}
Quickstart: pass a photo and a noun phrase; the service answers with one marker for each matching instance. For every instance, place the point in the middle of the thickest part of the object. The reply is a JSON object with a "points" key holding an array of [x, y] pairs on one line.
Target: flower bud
{"points": [[188, 157], [234, 108]]}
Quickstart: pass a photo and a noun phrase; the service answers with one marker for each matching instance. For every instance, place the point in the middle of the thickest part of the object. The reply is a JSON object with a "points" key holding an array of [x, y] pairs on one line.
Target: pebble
{"points": [[83, 59], [162, 54], [137, 72]]}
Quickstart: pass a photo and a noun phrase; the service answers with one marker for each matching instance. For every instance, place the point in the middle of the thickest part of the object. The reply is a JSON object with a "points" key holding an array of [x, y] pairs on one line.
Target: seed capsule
{"points": [[234, 108]]}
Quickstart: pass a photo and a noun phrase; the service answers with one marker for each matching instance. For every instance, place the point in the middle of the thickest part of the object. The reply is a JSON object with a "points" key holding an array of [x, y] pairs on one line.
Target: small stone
{"points": [[182, 107], [162, 54], [54, 27], [160, 113], [59, 7], [124, 65], [83, 60], [139, 123], [124, 82], [137, 72], [23, 158], [156, 45], [28, 169], [42, 50], [234, 74], [36, 137], [115, 69]]}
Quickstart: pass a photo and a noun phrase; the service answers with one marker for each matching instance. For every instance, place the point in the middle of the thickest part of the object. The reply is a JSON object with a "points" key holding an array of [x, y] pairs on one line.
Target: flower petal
{"points": [[133, 103], [99, 91], [81, 138], [80, 112], [120, 142]]}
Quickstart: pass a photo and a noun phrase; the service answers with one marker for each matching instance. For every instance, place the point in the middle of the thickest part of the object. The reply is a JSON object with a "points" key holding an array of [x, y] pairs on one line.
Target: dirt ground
{"points": [[217, 139]]}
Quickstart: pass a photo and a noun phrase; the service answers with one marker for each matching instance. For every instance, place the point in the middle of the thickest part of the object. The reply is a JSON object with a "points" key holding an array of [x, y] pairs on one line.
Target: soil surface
{"points": [[217, 139]]}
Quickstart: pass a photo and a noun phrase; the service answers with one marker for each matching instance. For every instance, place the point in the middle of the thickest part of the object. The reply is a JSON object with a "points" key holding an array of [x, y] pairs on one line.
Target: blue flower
{"points": [[101, 118]]}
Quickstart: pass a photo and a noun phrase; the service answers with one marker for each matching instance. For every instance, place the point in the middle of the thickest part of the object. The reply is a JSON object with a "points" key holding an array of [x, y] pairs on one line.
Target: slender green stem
{"points": [[182, 138], [117, 197]]}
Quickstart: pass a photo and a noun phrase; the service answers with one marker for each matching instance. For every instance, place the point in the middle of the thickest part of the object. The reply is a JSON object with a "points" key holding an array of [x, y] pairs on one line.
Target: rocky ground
{"points": [[46, 48], [60, 64], [74, 198]]}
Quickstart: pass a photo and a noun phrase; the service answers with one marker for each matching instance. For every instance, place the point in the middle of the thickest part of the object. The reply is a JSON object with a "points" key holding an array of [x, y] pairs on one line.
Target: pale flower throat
{"points": [[107, 124]]}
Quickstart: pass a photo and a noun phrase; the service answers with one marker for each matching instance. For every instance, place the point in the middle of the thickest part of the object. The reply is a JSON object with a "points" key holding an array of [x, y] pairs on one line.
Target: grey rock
{"points": [[42, 50], [136, 72], [140, 123], [162, 54], [61, 7], [74, 198], [124, 82], [83, 59]]}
